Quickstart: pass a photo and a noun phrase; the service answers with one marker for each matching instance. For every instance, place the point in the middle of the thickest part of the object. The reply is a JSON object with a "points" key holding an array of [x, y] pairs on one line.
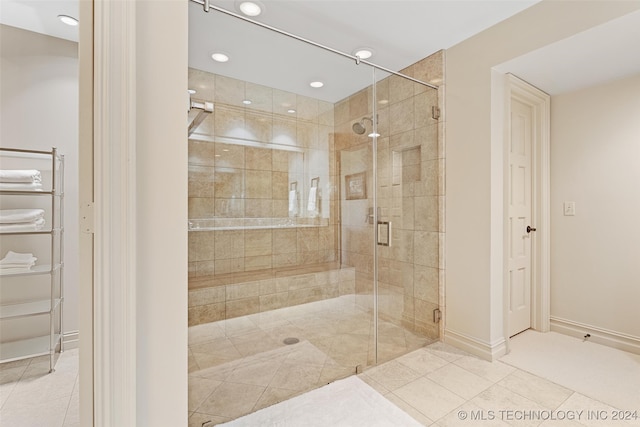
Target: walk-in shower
{"points": [[314, 222]]}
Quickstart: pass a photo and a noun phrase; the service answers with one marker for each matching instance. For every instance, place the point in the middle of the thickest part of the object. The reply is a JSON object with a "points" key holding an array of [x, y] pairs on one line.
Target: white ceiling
{"points": [[400, 31]]}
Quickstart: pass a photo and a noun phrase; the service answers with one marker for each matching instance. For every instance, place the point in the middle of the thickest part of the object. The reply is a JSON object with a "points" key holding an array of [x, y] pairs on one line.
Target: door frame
{"points": [[540, 103]]}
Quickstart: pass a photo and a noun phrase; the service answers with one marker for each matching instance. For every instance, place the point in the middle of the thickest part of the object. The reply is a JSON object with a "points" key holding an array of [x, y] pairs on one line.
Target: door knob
{"points": [[530, 229]]}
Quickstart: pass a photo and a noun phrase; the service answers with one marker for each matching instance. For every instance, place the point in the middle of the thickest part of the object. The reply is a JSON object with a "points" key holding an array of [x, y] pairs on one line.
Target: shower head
{"points": [[359, 128]]}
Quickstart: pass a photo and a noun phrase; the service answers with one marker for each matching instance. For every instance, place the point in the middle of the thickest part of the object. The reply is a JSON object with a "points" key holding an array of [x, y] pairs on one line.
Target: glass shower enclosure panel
{"points": [[281, 248], [407, 230]]}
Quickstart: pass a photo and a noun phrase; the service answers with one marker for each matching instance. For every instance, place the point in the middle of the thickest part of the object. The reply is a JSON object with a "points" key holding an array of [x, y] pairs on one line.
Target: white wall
{"points": [[474, 283], [161, 164], [595, 162], [39, 110]]}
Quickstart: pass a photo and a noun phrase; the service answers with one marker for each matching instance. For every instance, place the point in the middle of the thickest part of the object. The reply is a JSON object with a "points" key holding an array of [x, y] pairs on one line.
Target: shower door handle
{"points": [[384, 233]]}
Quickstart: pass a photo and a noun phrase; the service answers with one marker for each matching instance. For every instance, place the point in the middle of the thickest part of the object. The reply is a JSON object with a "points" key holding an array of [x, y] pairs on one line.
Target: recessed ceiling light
{"points": [[363, 53], [250, 8], [191, 91], [316, 84], [220, 57], [246, 102], [291, 111], [69, 20]]}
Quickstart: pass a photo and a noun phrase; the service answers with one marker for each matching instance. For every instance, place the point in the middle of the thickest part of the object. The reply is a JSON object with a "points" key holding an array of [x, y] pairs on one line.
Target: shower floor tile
{"points": [[246, 357]]}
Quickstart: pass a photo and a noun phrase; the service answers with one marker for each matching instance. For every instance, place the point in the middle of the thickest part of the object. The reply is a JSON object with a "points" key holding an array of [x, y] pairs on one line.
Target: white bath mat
{"points": [[347, 403]]}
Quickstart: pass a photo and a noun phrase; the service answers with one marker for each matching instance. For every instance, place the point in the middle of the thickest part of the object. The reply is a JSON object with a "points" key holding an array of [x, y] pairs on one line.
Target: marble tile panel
{"points": [[206, 313], [474, 416], [307, 108], [261, 97], [392, 375], [426, 248], [424, 101], [402, 116], [413, 412], [422, 361], [497, 398], [229, 244], [258, 208], [199, 390], [284, 131], [296, 377], [258, 243], [258, 184], [460, 381], [592, 412], [242, 290], [426, 213], [230, 156], [280, 161], [273, 301], [201, 153], [197, 419], [242, 307], [400, 89], [539, 390], [258, 126], [229, 208], [206, 296], [429, 398], [232, 400], [50, 412], [257, 372], [229, 90], [229, 183], [201, 207], [229, 122], [257, 262], [201, 180], [203, 83], [426, 283], [272, 396], [492, 371]]}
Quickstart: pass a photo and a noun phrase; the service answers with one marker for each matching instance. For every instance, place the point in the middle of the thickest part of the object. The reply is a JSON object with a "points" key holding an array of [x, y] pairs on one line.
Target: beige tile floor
{"points": [[31, 396], [434, 384], [241, 365], [441, 386]]}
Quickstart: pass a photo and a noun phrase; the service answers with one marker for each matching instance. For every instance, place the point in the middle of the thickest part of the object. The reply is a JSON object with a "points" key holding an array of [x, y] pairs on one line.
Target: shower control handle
{"points": [[530, 229]]}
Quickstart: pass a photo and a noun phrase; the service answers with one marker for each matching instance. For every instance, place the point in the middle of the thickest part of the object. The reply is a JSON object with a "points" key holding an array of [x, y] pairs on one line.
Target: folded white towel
{"points": [[13, 216], [313, 195], [17, 259], [36, 225], [20, 175], [21, 186], [293, 203]]}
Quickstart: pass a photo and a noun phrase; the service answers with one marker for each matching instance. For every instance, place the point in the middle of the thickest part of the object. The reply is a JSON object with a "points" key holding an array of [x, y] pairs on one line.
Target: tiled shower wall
{"points": [[251, 178], [410, 164], [411, 194]]}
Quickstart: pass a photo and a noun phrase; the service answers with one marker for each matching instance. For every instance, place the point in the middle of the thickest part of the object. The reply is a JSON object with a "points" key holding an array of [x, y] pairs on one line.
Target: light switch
{"points": [[569, 208]]}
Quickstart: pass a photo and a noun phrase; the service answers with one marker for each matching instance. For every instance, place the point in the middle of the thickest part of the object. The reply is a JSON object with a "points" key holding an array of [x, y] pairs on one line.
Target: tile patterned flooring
{"points": [[241, 365], [31, 396], [434, 384]]}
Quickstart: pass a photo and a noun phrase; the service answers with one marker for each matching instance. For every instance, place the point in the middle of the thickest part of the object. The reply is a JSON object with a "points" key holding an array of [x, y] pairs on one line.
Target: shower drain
{"points": [[289, 341]]}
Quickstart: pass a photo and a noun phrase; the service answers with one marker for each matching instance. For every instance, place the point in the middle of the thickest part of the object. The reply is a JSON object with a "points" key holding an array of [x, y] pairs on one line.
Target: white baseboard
{"points": [[598, 335], [474, 346], [71, 340]]}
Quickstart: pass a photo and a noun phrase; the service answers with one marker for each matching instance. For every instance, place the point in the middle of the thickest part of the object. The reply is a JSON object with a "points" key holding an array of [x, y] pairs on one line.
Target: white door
{"points": [[521, 140]]}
